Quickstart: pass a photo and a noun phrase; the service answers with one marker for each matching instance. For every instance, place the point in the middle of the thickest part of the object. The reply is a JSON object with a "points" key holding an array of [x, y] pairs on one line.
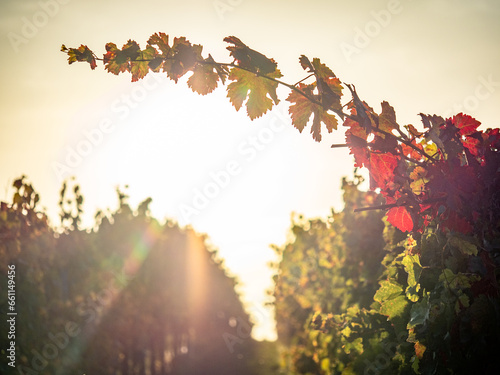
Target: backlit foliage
{"points": [[436, 304], [131, 296]]}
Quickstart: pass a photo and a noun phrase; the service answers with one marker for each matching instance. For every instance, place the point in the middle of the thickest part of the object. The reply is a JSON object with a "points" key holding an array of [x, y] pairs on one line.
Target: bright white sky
{"points": [[430, 56]]}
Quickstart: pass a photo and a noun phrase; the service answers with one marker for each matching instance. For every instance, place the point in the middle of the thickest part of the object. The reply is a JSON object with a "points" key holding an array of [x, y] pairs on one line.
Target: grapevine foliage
{"points": [[439, 182], [424, 175]]}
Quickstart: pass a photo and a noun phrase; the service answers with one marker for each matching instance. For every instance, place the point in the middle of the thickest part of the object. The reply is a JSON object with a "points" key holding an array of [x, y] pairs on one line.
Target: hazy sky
{"points": [[430, 56]]}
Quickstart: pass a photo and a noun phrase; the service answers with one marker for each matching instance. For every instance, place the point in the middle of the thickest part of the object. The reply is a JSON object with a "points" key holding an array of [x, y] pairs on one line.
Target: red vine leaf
{"points": [[465, 123], [400, 218], [382, 168], [356, 137], [472, 145]]}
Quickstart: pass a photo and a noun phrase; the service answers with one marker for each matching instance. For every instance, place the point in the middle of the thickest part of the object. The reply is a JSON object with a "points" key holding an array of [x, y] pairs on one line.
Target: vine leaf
{"points": [[140, 69], [419, 312], [204, 79], [356, 138], [387, 119], [382, 168], [182, 57], [248, 58], [419, 349], [467, 124], [161, 41], [117, 61], [82, 53], [302, 109], [260, 91], [413, 268], [419, 179], [392, 302], [434, 124], [388, 290], [400, 218], [463, 245], [329, 86], [394, 308]]}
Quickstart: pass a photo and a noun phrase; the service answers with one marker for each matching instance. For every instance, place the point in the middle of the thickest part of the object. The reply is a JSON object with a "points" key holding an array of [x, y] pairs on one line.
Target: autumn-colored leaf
{"points": [[387, 119], [302, 109], [183, 57], [472, 145], [161, 41], [355, 138], [492, 138], [364, 115], [305, 63], [204, 79], [249, 58], [82, 53], [465, 123], [117, 61], [328, 85], [413, 131], [411, 152], [400, 218], [434, 124], [419, 349], [418, 175], [321, 70], [140, 68], [260, 91], [382, 168]]}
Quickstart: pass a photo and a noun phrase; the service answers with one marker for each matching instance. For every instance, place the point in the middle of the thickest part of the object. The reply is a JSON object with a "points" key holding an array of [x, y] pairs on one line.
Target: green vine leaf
{"points": [[463, 245], [419, 312], [413, 268], [394, 308], [388, 290]]}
